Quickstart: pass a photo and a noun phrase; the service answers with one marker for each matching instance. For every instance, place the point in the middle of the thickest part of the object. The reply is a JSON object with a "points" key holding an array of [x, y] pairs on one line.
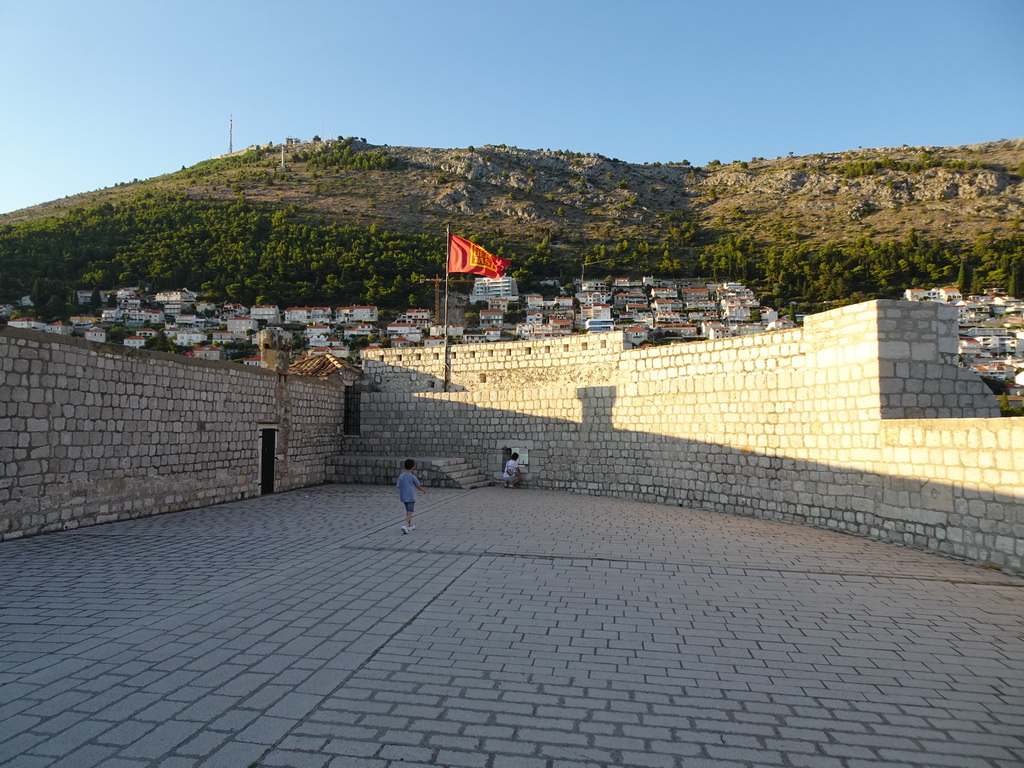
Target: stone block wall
{"points": [[95, 432], [501, 366], [814, 425]]}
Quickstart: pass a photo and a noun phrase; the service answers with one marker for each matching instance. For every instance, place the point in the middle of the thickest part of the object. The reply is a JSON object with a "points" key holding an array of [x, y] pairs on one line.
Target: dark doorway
{"points": [[351, 425], [268, 456]]}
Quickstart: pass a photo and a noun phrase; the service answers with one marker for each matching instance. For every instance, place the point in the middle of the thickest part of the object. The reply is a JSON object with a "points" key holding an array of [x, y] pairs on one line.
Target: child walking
{"points": [[408, 484]]}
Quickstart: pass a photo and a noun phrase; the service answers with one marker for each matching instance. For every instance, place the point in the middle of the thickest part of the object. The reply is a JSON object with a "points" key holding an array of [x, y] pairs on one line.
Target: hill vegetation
{"points": [[346, 222]]}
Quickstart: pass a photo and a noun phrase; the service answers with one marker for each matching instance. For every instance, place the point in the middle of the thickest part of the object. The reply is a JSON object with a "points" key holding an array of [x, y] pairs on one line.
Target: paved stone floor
{"points": [[512, 629]]}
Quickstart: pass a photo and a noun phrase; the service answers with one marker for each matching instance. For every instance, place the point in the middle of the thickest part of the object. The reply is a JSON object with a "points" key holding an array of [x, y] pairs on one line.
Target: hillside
{"points": [[814, 228], [941, 192]]}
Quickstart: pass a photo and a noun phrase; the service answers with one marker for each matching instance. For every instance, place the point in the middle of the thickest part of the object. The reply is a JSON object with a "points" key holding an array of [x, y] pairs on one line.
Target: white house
{"points": [[240, 326], [716, 330], [1000, 371], [59, 328], [419, 317], [597, 325], [129, 301], [735, 310], [234, 310], [968, 345], [492, 317], [485, 288], [28, 324], [183, 295], [269, 313], [208, 352], [636, 335], [365, 314], [592, 315], [145, 316], [534, 300], [135, 342], [997, 341], [189, 338], [96, 334], [662, 306], [359, 329], [315, 330], [950, 294], [408, 330], [592, 297], [300, 315]]}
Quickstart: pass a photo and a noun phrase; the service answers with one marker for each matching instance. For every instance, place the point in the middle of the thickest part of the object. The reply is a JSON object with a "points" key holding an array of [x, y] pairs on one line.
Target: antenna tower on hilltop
{"points": [[231, 134]]}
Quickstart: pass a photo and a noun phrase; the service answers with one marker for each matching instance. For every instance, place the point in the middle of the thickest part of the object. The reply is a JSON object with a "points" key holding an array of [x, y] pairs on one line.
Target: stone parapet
{"points": [[91, 433]]}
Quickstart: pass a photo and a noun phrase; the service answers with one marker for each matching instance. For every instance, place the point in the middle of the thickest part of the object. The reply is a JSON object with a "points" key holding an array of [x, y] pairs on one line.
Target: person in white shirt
{"points": [[512, 475]]}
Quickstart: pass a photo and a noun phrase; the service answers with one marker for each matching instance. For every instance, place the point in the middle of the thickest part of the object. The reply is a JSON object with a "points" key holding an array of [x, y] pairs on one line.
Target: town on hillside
{"points": [[648, 311]]}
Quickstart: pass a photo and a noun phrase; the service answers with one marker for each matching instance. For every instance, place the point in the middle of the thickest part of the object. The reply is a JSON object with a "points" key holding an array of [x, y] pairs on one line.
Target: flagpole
{"points": [[447, 255]]}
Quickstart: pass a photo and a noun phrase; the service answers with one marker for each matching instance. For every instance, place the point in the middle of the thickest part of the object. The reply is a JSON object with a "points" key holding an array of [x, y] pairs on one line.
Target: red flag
{"points": [[465, 256]]}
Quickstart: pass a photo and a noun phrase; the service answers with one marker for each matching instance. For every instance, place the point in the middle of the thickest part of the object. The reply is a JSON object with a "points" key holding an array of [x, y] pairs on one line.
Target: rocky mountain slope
{"points": [[511, 195]]}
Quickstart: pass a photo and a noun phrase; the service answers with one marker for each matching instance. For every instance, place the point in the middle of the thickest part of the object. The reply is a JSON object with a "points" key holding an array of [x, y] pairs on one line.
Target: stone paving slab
{"points": [[512, 628]]}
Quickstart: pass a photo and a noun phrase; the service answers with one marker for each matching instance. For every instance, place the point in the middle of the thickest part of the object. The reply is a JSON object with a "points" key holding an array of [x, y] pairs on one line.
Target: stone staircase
{"points": [[433, 472]]}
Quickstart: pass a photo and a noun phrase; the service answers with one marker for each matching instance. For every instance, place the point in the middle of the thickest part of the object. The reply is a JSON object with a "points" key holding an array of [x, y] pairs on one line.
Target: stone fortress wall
{"points": [[859, 421], [91, 433]]}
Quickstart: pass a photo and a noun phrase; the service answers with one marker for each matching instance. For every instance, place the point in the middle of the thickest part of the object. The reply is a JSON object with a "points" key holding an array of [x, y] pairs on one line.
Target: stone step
{"points": [[438, 472]]}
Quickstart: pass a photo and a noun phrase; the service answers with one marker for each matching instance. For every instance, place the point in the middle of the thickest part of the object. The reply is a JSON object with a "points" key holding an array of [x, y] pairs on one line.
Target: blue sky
{"points": [[105, 91]]}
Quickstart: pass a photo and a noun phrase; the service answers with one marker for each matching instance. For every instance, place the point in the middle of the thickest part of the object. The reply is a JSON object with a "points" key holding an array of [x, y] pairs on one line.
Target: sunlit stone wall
{"points": [[860, 421]]}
